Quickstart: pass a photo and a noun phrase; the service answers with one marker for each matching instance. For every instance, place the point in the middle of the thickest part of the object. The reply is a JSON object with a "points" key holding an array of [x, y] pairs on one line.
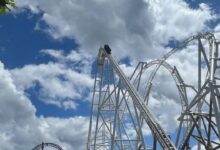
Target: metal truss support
{"points": [[120, 114]]}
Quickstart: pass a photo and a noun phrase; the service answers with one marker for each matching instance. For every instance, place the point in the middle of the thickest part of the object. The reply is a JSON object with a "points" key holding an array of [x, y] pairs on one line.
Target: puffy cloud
{"points": [[161, 108], [138, 29], [69, 133], [59, 83], [217, 31], [175, 19], [21, 129], [12, 99]]}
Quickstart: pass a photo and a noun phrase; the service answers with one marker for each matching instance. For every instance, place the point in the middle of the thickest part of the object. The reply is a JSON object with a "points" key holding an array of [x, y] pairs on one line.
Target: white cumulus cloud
{"points": [[59, 83], [21, 129], [138, 29]]}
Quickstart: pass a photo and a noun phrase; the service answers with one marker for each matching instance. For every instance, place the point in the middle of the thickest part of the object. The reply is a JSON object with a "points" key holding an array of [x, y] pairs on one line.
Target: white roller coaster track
{"points": [[116, 100]]}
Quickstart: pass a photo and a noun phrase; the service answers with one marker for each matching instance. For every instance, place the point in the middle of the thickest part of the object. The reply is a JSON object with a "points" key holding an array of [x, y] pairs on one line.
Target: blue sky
{"points": [[21, 45], [49, 50]]}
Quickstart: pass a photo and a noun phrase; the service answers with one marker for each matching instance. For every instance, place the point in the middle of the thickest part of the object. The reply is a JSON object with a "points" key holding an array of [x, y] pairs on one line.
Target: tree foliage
{"points": [[6, 5]]}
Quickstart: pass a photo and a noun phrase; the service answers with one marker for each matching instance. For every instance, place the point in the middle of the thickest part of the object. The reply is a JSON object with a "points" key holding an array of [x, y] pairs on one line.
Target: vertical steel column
{"points": [[199, 85], [116, 116], [213, 62], [99, 102], [91, 115]]}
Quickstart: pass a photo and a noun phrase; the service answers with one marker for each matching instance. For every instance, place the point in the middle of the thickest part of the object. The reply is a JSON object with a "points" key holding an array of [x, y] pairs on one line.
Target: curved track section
{"points": [[41, 146], [208, 36], [181, 86]]}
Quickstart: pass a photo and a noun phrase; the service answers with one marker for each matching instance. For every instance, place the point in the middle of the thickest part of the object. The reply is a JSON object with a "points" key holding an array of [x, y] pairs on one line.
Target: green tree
{"points": [[5, 6]]}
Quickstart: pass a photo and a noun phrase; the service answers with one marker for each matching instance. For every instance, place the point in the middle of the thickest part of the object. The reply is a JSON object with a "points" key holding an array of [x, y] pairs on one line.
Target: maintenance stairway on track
{"points": [[120, 115]]}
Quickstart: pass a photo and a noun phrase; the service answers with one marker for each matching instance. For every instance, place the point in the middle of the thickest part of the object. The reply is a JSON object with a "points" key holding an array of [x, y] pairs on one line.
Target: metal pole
{"points": [[99, 102], [213, 62], [199, 85], [115, 118], [91, 115]]}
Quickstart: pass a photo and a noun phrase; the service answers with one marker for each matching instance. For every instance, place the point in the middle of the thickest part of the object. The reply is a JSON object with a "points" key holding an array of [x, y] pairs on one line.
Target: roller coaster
{"points": [[121, 118], [43, 145]]}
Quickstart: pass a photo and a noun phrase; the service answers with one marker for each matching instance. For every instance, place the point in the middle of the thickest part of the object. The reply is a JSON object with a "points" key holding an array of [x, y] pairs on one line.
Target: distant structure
{"points": [[43, 145], [120, 114]]}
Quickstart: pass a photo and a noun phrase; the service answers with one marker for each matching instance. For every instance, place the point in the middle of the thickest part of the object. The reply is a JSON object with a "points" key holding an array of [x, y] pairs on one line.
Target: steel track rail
{"points": [[157, 130]]}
